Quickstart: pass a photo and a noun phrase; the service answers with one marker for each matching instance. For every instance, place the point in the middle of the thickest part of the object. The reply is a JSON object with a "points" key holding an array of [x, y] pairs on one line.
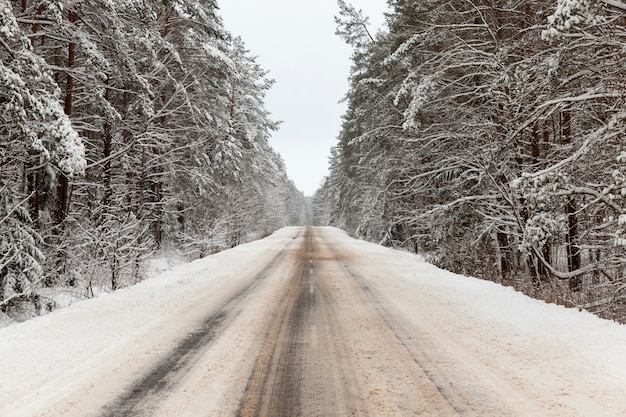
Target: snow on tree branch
{"points": [[352, 26], [420, 93], [568, 15]]}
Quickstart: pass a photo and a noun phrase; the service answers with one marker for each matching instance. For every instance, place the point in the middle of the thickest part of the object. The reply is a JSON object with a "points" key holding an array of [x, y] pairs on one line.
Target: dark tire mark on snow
{"points": [[143, 396], [401, 336], [463, 403], [443, 386], [302, 369], [275, 375]]}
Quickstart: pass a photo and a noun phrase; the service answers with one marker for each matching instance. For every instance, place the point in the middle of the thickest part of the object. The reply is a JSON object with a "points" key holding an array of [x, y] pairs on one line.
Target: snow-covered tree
{"points": [[488, 137], [34, 132], [162, 111]]}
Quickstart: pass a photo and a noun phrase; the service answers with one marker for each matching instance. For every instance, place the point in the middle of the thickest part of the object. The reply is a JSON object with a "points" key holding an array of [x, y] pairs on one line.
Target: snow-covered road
{"points": [[310, 322]]}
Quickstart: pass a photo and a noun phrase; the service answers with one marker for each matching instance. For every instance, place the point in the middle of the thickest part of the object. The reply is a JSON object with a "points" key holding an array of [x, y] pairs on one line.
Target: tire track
{"points": [[444, 387], [469, 388], [459, 406], [142, 397], [303, 369], [275, 378]]}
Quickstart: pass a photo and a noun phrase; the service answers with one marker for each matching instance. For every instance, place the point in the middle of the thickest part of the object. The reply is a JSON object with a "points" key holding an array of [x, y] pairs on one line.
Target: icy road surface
{"points": [[309, 322]]}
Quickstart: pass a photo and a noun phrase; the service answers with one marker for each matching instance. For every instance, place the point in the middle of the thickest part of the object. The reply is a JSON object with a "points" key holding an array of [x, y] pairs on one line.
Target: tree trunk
{"points": [[35, 27], [573, 245], [107, 171], [596, 273], [181, 216], [505, 256], [158, 225], [542, 272], [63, 189], [34, 180], [142, 186], [535, 147], [115, 271], [69, 91], [566, 126], [106, 151], [63, 196]]}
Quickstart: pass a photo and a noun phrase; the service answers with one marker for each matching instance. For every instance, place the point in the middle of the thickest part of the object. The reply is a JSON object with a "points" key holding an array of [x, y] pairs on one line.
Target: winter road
{"points": [[309, 324]]}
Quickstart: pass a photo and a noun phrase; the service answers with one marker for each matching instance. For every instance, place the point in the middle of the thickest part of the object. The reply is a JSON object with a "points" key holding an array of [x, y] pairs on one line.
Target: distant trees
{"points": [[126, 127], [479, 135]]}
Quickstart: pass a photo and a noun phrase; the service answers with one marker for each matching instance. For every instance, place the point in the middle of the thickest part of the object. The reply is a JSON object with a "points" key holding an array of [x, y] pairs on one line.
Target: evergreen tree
{"points": [[487, 142], [34, 131], [162, 111]]}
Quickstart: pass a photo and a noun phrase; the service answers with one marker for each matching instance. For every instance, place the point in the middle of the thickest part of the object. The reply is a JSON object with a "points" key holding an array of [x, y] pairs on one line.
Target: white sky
{"points": [[295, 40]]}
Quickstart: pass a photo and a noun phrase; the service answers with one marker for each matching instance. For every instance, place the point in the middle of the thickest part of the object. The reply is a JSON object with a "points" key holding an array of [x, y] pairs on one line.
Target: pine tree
{"points": [[34, 131]]}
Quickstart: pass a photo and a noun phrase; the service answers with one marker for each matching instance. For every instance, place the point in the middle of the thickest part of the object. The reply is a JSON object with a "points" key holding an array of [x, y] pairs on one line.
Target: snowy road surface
{"points": [[309, 322]]}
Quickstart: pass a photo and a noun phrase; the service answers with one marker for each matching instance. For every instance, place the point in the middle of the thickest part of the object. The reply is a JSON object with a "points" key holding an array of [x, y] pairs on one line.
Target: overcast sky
{"points": [[295, 40]]}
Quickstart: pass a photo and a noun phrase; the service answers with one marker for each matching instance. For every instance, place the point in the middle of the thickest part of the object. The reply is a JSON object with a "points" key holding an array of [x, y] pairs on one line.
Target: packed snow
{"points": [[559, 351]]}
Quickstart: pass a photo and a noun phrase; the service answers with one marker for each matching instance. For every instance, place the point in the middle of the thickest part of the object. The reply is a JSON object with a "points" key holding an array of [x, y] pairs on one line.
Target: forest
{"points": [[486, 135], [126, 127], [490, 137]]}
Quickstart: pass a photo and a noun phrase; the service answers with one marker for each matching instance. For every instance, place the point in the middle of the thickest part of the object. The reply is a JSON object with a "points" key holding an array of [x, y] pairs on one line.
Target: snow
{"points": [[511, 313], [54, 354], [72, 150], [563, 353], [571, 357], [569, 14], [162, 262]]}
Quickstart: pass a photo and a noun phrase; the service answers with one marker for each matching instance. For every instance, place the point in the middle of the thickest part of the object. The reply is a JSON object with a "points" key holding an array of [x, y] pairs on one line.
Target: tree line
{"points": [[490, 136], [127, 126]]}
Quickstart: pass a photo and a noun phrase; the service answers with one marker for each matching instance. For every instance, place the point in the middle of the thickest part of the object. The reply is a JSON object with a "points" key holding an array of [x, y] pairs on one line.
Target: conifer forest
{"points": [[490, 137], [127, 126], [487, 135]]}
